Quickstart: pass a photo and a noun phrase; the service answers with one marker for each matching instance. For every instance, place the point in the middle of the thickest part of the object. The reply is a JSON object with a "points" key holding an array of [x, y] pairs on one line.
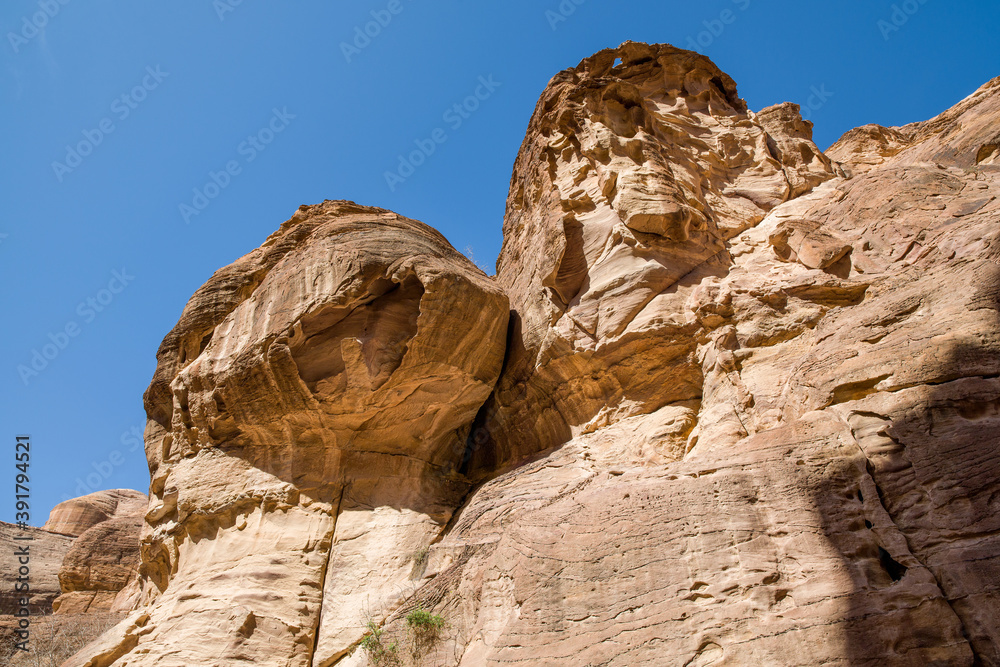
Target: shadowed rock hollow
{"points": [[745, 412]]}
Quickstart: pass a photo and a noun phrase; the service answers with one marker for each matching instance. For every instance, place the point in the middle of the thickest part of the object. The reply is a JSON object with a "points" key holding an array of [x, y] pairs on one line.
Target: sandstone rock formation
{"points": [[307, 420], [73, 577], [47, 550], [786, 448], [75, 516], [748, 413], [100, 571], [630, 183]]}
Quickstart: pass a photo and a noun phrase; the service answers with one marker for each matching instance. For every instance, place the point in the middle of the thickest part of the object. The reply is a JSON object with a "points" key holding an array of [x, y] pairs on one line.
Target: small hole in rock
{"points": [[893, 568]]}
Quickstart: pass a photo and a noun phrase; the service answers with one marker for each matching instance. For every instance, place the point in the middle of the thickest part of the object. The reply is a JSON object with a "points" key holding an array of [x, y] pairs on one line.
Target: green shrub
{"points": [[380, 653], [423, 630], [424, 622]]}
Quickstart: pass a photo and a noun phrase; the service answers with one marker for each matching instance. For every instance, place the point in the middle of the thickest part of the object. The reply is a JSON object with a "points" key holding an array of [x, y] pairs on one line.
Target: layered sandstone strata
{"points": [[308, 418], [75, 516], [772, 421], [46, 552], [77, 567], [748, 412]]}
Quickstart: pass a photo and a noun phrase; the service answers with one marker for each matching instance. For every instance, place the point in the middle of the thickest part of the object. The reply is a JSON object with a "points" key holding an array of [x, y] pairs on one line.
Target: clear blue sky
{"points": [[199, 78]]}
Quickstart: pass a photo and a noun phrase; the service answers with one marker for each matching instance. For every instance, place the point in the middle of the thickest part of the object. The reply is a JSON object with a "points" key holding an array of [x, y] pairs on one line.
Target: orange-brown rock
{"points": [[99, 566], [75, 516], [67, 574], [749, 411]]}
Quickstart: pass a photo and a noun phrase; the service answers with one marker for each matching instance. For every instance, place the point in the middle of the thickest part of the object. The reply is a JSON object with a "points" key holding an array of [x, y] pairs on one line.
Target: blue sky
{"points": [[146, 145]]}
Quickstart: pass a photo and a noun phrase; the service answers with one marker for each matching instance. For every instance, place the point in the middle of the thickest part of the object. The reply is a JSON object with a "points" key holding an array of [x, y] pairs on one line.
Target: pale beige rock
{"points": [[308, 419]]}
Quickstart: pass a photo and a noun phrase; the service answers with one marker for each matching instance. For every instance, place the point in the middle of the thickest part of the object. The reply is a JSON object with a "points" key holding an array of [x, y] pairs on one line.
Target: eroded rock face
{"points": [[46, 550], [75, 516], [307, 422], [787, 451], [630, 184], [748, 412], [104, 558], [105, 562], [963, 136], [102, 563]]}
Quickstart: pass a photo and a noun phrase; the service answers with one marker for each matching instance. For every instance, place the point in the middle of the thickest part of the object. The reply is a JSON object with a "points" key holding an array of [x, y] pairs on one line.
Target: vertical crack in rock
{"points": [[322, 579]]}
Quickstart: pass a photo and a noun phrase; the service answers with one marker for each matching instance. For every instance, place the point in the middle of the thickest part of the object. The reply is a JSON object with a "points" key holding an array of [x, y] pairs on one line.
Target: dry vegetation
{"points": [[55, 638]]}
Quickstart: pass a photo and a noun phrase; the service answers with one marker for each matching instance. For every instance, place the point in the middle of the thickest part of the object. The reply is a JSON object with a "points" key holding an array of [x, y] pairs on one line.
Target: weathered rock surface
{"points": [[102, 563], [629, 186], [308, 419], [75, 516], [787, 452], [963, 136], [70, 575], [46, 552], [749, 411]]}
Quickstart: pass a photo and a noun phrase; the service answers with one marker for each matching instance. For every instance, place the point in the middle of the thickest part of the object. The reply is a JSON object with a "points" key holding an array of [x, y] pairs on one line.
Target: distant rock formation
{"points": [[74, 517], [47, 551], [729, 400], [104, 559], [79, 569]]}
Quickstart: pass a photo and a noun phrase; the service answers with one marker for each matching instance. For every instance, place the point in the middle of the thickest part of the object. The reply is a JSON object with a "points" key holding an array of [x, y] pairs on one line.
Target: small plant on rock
{"points": [[420, 555], [380, 653], [424, 628], [422, 621]]}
